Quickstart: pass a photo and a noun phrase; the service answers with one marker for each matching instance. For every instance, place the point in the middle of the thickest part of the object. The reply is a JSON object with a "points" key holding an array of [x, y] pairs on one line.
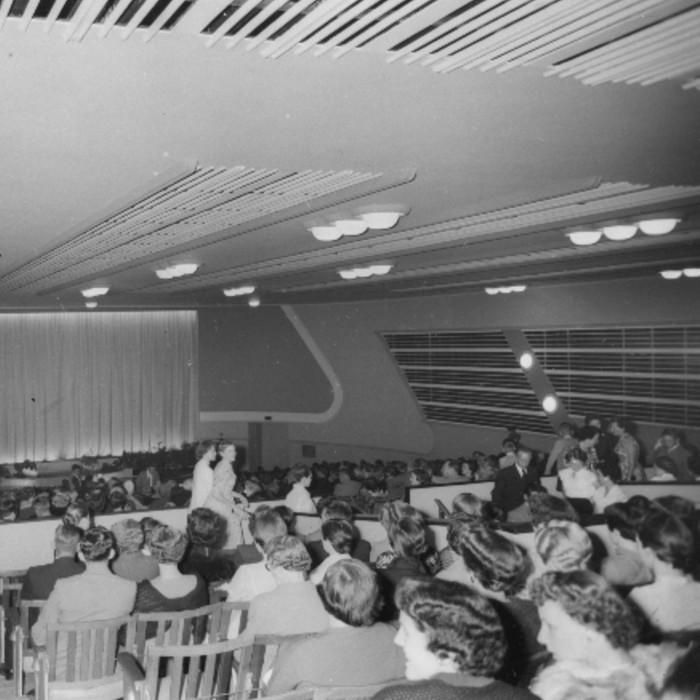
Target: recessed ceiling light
{"points": [[620, 232], [326, 234], [671, 274], [91, 304], [350, 227], [658, 227], [179, 270], [239, 291], [584, 237], [94, 292], [550, 403], [368, 271], [381, 220], [492, 290], [518, 288], [526, 360], [691, 271], [254, 302]]}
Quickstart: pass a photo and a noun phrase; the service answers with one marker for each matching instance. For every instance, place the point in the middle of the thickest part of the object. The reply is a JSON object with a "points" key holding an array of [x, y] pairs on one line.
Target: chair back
{"points": [[443, 510], [28, 612], [10, 590], [234, 618]]}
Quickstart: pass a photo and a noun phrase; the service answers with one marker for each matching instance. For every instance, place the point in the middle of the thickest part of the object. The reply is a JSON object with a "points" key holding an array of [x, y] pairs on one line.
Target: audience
{"points": [[453, 644], [356, 649]]}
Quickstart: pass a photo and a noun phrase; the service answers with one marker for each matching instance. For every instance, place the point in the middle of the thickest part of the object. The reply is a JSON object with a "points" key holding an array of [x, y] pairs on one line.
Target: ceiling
{"points": [[142, 133]]}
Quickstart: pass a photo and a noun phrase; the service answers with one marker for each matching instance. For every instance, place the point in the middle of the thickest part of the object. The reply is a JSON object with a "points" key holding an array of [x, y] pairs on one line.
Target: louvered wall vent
{"points": [[201, 204], [467, 377], [596, 40], [651, 375]]}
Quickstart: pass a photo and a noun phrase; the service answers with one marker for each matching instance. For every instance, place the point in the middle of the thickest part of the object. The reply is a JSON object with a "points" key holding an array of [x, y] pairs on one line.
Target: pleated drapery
{"points": [[96, 383]]}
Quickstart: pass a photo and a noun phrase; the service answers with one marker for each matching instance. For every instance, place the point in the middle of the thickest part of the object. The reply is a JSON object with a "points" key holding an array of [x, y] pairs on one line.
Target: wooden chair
{"points": [[443, 510], [10, 589], [79, 660], [195, 671], [22, 654], [234, 618]]}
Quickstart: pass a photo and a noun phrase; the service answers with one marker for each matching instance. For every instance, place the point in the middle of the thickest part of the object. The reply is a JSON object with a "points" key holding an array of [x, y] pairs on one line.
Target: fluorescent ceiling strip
{"points": [[138, 17], [324, 31], [88, 11]]}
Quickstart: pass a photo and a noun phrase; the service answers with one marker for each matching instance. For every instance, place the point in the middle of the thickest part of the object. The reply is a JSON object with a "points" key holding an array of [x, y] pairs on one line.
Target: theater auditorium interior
{"points": [[342, 231]]}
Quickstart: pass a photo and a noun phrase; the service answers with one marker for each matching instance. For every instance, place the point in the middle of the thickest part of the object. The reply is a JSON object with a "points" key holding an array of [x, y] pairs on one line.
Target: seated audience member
{"points": [[206, 533], [147, 525], [498, 569], [608, 491], [348, 653], [588, 439], [131, 562], [545, 507], [666, 469], [346, 487], [419, 477], [96, 594], [59, 502], [449, 473], [577, 481], [290, 519], [339, 538], [565, 441], [373, 496], [146, 484], [253, 579], [338, 509], [512, 483], [562, 545], [592, 634], [624, 566], [299, 499], [293, 606], [669, 445], [397, 481], [170, 591], [39, 581], [453, 644], [671, 603]]}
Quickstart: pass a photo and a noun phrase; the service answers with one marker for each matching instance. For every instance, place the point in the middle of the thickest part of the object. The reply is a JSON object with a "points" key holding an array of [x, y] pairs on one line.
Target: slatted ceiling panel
{"points": [[668, 48], [203, 203], [651, 374], [466, 377]]}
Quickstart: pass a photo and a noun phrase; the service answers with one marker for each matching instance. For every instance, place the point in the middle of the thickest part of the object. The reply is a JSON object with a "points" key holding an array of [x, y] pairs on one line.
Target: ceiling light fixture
{"points": [[94, 292], [517, 288], [658, 227], [380, 220], [326, 234], [180, 270], [526, 360], [350, 227], [620, 232], [369, 271], [584, 237], [671, 274], [550, 404], [91, 304], [254, 302], [239, 291], [691, 271]]}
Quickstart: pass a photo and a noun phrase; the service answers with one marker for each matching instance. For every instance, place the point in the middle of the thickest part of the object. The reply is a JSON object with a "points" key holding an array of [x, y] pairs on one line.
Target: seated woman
{"points": [[592, 635], [206, 531], [347, 654], [666, 469], [170, 590], [498, 569], [453, 643], [562, 546], [578, 482], [132, 563], [671, 602], [339, 538]]}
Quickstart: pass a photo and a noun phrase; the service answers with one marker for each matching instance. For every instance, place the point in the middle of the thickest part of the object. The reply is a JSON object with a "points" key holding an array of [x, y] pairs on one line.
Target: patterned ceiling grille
{"points": [[638, 40], [651, 375], [467, 377], [200, 205]]}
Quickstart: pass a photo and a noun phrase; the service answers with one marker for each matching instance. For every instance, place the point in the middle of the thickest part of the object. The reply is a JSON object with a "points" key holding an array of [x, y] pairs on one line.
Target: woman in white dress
{"points": [[203, 475]]}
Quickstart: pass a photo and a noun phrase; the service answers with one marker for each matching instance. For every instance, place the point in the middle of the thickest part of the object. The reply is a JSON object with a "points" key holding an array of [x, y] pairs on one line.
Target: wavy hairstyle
{"points": [[350, 592], [563, 546], [167, 544], [460, 624], [590, 600]]}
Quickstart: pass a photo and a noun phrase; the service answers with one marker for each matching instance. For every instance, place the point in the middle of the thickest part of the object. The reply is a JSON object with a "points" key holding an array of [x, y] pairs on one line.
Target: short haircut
{"points": [[265, 524], [670, 539], [545, 507], [341, 534], [97, 544], [203, 447], [289, 517], [563, 546], [393, 511], [287, 552], [627, 518], [459, 623], [205, 528], [335, 508], [76, 512], [590, 600], [408, 537], [168, 544], [500, 566], [350, 592], [298, 472], [467, 503], [374, 485], [128, 535], [67, 537], [575, 453], [422, 476]]}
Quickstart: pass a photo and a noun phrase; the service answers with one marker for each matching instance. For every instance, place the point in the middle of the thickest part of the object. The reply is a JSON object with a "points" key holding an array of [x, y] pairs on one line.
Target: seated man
{"points": [[39, 580], [334, 509], [514, 481]]}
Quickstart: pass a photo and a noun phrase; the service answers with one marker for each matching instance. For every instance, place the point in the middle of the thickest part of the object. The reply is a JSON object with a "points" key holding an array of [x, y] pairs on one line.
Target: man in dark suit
{"points": [[513, 482], [39, 580]]}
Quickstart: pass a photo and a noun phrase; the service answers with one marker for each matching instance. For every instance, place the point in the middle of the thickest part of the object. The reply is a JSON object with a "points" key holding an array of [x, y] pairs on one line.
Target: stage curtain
{"points": [[96, 383]]}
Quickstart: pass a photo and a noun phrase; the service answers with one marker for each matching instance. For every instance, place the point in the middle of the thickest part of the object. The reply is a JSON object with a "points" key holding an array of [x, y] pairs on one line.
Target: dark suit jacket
{"points": [[509, 489], [39, 580]]}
